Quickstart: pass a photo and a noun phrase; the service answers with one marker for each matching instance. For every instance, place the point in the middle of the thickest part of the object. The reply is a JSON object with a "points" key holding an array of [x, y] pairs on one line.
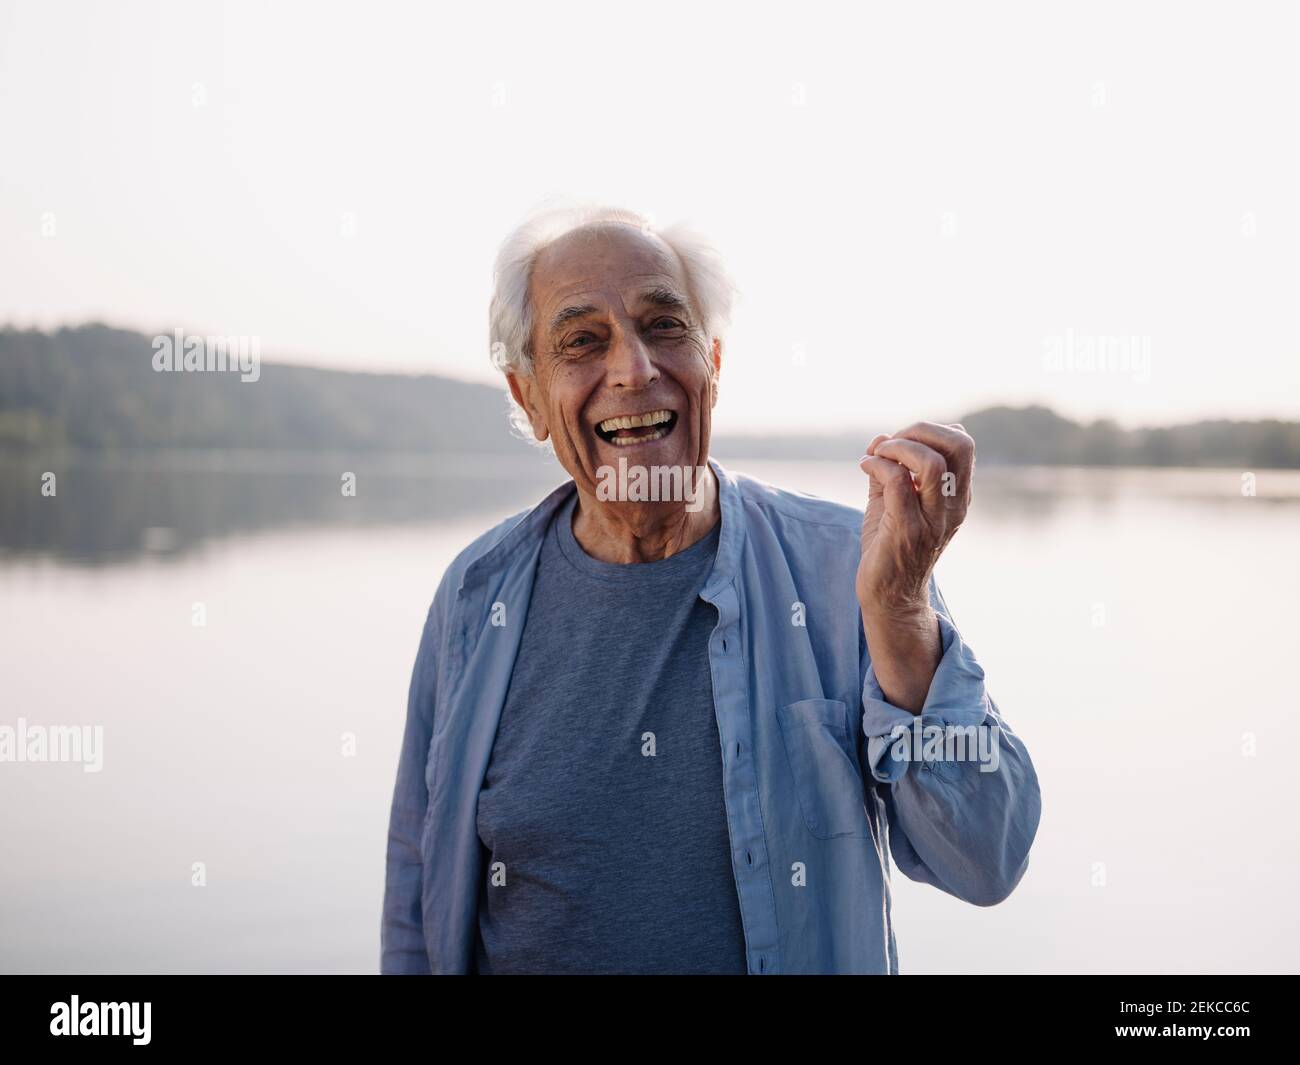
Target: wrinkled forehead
{"points": [[611, 258]]}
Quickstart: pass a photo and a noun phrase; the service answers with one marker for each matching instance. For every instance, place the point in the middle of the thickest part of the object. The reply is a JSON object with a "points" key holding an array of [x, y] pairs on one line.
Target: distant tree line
{"points": [[94, 388], [1041, 436]]}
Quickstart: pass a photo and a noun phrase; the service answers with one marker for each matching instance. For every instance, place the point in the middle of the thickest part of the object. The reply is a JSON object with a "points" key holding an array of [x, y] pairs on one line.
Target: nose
{"points": [[628, 363]]}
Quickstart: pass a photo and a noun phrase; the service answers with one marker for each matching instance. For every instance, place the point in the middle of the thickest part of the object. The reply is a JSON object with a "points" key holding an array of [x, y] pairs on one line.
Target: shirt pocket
{"points": [[827, 779]]}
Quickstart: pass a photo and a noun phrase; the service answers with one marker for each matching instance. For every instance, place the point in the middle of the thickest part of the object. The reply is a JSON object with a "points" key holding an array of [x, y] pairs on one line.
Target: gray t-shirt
{"points": [[603, 801]]}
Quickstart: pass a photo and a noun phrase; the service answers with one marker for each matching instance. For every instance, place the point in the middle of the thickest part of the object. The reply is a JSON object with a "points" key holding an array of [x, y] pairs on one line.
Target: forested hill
{"points": [[1041, 437], [95, 388]]}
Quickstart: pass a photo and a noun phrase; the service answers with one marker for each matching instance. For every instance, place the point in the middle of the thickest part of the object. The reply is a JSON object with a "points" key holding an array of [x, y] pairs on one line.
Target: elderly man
{"points": [[673, 719]]}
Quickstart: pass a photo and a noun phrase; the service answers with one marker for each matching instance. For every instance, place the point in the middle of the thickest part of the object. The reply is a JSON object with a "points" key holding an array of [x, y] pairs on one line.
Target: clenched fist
{"points": [[920, 491]]}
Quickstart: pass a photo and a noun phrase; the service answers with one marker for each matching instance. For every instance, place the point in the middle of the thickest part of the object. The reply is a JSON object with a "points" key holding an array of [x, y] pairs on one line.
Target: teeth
{"points": [[635, 421], [624, 441]]}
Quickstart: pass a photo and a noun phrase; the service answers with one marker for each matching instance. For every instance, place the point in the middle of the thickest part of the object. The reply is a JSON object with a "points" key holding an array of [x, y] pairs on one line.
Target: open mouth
{"points": [[628, 429]]}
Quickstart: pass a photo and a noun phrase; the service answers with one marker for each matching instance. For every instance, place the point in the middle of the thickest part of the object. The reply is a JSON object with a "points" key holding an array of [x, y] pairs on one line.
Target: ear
{"points": [[716, 359], [526, 393]]}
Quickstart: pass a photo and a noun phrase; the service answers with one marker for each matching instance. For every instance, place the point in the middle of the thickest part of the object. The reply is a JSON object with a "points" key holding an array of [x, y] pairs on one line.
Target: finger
{"points": [[876, 488], [952, 442], [894, 482], [928, 467]]}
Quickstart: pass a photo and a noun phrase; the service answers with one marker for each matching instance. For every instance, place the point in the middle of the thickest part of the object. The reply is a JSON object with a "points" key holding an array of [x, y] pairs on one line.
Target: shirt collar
{"points": [[531, 527]]}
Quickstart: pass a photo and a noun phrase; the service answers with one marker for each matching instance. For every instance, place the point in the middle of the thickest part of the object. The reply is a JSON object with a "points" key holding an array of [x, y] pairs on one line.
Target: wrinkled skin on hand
{"points": [[920, 492]]}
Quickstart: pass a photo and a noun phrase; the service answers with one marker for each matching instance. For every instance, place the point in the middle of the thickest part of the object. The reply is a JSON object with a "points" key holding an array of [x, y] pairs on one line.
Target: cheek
{"points": [[697, 375], [710, 378], [569, 393]]}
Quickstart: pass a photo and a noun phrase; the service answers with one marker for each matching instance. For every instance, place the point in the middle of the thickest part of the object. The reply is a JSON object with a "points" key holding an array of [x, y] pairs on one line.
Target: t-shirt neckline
{"points": [[682, 562]]}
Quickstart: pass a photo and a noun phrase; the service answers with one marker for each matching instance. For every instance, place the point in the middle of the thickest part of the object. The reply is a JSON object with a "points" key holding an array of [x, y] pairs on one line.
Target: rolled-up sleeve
{"points": [[402, 948], [959, 789]]}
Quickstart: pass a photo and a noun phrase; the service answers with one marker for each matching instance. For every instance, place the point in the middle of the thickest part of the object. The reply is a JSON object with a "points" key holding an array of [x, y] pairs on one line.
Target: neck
{"points": [[645, 532]]}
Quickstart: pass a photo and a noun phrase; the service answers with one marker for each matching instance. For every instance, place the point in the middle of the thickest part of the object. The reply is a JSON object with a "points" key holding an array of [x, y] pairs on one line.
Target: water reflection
{"points": [[111, 511], [114, 510]]}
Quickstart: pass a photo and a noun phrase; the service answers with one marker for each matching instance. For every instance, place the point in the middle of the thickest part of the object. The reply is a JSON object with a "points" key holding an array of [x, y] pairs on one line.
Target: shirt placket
{"points": [[749, 854]]}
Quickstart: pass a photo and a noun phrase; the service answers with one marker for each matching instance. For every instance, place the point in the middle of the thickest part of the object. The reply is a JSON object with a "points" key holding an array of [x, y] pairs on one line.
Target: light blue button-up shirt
{"points": [[819, 782]]}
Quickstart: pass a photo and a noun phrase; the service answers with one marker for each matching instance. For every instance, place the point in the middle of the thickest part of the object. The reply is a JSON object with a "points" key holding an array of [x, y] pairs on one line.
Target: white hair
{"points": [[510, 314]]}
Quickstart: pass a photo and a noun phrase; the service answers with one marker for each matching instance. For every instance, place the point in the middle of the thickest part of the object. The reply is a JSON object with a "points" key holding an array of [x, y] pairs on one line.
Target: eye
{"points": [[666, 325], [578, 341]]}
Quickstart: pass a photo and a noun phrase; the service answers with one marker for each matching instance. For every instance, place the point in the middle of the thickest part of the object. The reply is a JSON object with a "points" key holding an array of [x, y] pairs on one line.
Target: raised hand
{"points": [[919, 494]]}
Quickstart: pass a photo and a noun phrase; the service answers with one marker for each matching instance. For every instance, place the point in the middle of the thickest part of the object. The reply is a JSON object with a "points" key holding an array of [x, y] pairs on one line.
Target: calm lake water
{"points": [[1137, 628]]}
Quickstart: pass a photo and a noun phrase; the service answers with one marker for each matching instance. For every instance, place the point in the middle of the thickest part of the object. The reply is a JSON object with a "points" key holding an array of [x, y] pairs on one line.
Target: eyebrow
{"points": [[568, 314], [659, 296]]}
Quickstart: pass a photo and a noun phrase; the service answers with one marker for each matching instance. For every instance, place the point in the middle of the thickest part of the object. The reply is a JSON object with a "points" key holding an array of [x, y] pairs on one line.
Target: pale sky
{"points": [[915, 199]]}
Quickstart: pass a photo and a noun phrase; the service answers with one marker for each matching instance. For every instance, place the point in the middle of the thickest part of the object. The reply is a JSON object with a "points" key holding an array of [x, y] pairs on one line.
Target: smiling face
{"points": [[622, 367]]}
